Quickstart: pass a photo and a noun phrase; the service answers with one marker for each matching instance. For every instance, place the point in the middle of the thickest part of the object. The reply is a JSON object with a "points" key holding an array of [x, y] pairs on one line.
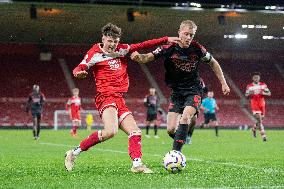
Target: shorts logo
{"points": [[197, 100]]}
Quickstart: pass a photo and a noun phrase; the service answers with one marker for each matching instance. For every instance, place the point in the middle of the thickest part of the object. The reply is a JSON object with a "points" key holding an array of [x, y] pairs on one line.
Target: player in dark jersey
{"points": [[181, 63], [35, 104], [151, 101]]}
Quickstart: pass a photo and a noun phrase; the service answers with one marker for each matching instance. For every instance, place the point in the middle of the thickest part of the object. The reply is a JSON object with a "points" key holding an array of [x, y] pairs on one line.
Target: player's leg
{"points": [[38, 125], [129, 126], [155, 127], [183, 127], [172, 122], [34, 126], [147, 127], [259, 118], [215, 123], [110, 121], [255, 110], [191, 129], [73, 131]]}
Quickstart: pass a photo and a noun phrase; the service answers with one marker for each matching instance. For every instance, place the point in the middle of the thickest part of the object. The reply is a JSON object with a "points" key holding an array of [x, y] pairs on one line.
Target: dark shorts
{"points": [[36, 115], [179, 102], [151, 117], [209, 117]]}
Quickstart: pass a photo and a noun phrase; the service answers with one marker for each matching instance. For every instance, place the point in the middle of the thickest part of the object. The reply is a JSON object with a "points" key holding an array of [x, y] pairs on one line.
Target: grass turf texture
{"points": [[235, 159]]}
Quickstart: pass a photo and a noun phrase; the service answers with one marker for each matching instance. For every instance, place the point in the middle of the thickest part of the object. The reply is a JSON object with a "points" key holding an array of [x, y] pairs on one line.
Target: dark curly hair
{"points": [[256, 73], [111, 30]]}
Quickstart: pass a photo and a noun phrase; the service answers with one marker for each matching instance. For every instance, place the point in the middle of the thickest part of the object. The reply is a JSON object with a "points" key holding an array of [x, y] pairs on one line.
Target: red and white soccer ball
{"points": [[174, 161]]}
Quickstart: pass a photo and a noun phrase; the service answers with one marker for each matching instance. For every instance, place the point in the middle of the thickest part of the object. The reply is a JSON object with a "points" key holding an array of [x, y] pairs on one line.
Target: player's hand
{"points": [[174, 40], [136, 57], [226, 90], [81, 74]]}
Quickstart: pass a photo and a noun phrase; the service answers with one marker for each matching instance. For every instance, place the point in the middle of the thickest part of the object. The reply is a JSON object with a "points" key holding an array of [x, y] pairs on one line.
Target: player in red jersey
{"points": [[73, 106], [108, 62], [256, 91]]}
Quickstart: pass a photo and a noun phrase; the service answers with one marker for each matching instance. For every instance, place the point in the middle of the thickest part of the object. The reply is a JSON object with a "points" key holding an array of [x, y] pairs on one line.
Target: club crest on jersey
{"points": [[114, 64]]}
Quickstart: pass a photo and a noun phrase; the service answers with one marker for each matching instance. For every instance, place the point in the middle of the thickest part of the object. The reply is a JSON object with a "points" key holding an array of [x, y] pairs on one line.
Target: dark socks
{"points": [[216, 130], [180, 136], [147, 129], [155, 129], [172, 135], [190, 131]]}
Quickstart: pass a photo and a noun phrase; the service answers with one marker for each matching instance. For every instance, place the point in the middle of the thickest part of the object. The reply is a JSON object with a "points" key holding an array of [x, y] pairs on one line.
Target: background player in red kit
{"points": [[35, 104], [73, 106], [108, 62], [256, 91]]}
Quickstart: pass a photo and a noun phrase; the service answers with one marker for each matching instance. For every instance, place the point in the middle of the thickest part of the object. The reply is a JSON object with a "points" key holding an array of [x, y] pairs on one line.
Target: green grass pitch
{"points": [[234, 160]]}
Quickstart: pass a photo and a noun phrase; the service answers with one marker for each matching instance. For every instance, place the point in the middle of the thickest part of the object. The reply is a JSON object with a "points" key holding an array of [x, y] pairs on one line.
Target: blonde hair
{"points": [[188, 23]]}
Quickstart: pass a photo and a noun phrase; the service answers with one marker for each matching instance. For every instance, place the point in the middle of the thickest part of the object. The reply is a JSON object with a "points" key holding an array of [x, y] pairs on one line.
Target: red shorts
{"points": [[258, 107], [75, 116], [116, 100]]}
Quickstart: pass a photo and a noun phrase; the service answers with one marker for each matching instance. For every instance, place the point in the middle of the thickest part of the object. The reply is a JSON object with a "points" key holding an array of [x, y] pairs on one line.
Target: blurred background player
{"points": [[256, 91], [209, 107], [109, 64], [182, 76], [73, 106], [89, 121], [151, 101], [35, 104]]}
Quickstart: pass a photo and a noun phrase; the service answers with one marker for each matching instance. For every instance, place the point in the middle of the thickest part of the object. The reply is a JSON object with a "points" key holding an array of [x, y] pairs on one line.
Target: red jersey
{"points": [[256, 90], [110, 70], [74, 103], [257, 97]]}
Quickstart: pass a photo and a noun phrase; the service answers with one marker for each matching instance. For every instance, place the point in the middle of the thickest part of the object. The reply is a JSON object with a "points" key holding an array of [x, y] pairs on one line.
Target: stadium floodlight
{"points": [[195, 4], [267, 37], [241, 36]]}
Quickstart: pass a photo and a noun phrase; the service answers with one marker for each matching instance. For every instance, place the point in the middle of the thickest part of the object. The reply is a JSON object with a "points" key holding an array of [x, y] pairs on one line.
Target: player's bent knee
{"points": [[135, 133], [109, 134], [171, 130]]}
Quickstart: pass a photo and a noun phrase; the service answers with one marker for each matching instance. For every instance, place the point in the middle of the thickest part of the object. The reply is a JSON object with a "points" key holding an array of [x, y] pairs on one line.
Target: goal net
{"points": [[62, 119]]}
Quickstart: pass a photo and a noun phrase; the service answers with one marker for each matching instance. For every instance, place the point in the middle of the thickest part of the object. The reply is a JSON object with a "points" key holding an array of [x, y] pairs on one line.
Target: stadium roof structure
{"points": [[248, 4]]}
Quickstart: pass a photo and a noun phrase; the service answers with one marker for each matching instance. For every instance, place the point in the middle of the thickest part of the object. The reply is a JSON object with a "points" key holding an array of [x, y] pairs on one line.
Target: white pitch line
{"points": [[266, 170]]}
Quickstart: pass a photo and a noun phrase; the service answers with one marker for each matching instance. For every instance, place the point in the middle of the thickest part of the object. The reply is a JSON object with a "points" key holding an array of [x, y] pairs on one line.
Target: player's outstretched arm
{"points": [[142, 58], [219, 73], [80, 71], [152, 43]]}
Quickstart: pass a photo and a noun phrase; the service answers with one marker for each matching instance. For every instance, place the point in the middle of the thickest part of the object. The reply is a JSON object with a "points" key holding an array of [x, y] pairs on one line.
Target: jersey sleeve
{"points": [[88, 61], [160, 51], [247, 90], [205, 55], [68, 103], [147, 44], [28, 104]]}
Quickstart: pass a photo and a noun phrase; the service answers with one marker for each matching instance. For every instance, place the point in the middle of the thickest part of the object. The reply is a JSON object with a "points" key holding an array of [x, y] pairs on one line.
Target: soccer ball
{"points": [[174, 161]]}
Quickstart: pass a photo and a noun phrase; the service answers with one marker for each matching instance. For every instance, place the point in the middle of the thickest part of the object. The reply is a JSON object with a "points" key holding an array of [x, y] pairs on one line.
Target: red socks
{"points": [[74, 129], [90, 141], [134, 145]]}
